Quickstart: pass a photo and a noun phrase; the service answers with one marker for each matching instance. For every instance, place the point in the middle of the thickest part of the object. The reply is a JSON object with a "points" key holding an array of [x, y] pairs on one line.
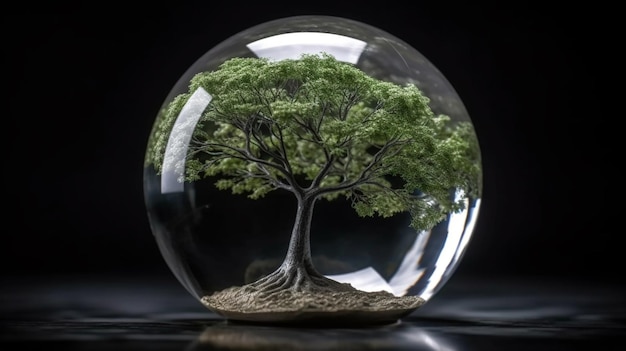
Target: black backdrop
{"points": [[82, 87]]}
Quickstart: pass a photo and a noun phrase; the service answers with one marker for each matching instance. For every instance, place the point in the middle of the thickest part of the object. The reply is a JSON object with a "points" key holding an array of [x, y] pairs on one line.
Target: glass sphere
{"points": [[320, 147]]}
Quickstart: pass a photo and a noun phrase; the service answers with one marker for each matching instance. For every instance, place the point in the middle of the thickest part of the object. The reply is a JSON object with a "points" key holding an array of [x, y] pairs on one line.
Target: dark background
{"points": [[82, 87]]}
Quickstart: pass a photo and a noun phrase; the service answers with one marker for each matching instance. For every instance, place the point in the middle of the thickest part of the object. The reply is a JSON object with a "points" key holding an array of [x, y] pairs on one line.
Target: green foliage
{"points": [[320, 127]]}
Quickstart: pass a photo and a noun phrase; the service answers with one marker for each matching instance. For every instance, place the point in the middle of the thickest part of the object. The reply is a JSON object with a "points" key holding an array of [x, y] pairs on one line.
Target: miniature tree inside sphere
{"points": [[303, 108]]}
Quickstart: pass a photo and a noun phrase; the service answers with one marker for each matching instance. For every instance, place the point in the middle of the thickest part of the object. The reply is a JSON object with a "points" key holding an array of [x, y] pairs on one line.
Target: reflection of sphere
{"points": [[246, 337], [213, 239]]}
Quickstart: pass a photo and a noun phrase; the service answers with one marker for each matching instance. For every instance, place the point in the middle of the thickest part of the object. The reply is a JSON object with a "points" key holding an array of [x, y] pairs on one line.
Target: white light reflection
{"points": [[425, 340], [409, 271], [447, 255], [469, 228], [459, 229], [366, 279], [176, 151], [293, 45]]}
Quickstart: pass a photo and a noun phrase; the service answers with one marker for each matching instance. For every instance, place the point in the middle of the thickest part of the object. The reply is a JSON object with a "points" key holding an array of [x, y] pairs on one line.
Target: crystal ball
{"points": [[312, 169]]}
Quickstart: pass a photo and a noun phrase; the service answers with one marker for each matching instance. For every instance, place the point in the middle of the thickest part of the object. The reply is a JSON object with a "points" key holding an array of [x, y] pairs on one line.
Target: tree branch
{"points": [[267, 177], [366, 173], [245, 154], [323, 172]]}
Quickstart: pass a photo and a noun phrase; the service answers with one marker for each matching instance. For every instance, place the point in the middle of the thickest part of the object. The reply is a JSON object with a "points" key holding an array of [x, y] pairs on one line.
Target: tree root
{"points": [[298, 296], [297, 279]]}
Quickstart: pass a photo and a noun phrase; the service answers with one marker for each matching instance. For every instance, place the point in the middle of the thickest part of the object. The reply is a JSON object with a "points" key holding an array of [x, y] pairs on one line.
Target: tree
{"points": [[322, 129]]}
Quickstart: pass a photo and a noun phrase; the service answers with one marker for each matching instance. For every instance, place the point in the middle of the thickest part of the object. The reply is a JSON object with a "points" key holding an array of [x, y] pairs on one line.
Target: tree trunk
{"points": [[297, 272], [299, 252]]}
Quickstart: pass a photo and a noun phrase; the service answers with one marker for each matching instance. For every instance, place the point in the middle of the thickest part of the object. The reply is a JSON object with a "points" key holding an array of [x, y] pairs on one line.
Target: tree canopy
{"points": [[322, 128]]}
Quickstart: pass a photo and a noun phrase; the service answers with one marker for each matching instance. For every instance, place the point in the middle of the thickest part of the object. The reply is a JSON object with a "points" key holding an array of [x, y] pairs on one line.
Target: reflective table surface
{"points": [[113, 313]]}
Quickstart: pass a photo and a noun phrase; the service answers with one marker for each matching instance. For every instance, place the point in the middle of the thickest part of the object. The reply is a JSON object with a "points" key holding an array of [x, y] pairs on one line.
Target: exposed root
{"points": [[297, 279], [298, 293]]}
